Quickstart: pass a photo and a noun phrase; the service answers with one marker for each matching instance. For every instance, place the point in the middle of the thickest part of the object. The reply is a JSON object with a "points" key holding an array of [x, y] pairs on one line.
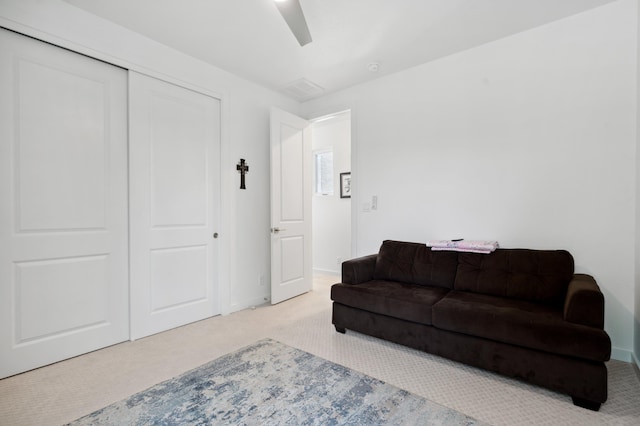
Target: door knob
{"points": [[276, 230], [215, 235]]}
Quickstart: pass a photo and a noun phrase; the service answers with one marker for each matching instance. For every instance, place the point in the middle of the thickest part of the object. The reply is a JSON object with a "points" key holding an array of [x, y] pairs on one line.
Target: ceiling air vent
{"points": [[302, 89]]}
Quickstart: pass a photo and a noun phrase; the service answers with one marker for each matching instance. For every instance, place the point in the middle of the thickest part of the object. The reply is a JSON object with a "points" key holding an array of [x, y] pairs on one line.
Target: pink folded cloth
{"points": [[469, 246]]}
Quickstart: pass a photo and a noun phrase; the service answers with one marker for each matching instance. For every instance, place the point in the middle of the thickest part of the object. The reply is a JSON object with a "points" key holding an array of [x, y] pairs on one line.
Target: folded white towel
{"points": [[462, 250], [472, 246], [442, 243]]}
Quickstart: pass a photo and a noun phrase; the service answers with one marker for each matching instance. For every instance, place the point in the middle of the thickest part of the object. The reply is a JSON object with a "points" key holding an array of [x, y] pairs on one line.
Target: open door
{"points": [[291, 269]]}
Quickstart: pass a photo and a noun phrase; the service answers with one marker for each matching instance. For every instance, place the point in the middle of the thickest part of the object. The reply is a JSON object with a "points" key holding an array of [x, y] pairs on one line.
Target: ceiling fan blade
{"points": [[291, 11]]}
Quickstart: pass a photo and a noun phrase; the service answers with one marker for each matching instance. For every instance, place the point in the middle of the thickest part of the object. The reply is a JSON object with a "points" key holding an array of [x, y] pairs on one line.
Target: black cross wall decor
{"points": [[243, 169]]}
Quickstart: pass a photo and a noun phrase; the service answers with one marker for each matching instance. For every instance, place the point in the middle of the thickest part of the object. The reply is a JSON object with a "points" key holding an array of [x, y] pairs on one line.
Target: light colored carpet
{"points": [[71, 389]]}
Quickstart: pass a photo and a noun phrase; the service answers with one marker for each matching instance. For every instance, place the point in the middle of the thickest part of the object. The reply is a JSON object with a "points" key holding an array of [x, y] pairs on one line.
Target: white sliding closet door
{"points": [[63, 204], [174, 199]]}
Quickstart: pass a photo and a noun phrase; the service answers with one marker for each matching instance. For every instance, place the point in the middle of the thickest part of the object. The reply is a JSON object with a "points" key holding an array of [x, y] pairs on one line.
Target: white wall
{"points": [[332, 214], [529, 140], [636, 328], [244, 231]]}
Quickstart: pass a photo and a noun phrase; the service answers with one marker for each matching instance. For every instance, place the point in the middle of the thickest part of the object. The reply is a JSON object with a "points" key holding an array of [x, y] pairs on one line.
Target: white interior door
{"points": [[291, 268], [63, 208], [174, 201]]}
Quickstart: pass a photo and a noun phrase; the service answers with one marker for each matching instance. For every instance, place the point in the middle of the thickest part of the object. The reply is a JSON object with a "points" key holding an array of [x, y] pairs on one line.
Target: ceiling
{"points": [[250, 38]]}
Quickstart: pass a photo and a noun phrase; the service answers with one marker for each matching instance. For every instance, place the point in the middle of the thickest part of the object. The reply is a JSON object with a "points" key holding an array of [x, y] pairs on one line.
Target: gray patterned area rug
{"points": [[270, 383]]}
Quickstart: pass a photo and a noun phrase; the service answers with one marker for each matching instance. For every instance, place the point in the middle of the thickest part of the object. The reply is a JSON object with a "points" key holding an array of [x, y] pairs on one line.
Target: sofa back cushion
{"points": [[540, 276], [415, 263]]}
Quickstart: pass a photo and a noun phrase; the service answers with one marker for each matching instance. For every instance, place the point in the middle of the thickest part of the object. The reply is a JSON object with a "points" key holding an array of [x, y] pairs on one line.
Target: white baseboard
{"points": [[245, 304], [621, 354], [326, 272], [636, 365]]}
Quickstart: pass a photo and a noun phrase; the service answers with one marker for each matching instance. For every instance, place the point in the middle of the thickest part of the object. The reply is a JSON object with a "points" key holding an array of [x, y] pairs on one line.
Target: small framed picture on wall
{"points": [[345, 185]]}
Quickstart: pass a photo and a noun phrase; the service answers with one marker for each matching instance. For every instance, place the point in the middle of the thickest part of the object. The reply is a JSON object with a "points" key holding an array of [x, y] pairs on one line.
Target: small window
{"points": [[323, 161]]}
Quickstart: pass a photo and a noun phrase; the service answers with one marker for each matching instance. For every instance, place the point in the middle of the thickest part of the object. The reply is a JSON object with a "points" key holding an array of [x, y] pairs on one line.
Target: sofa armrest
{"points": [[584, 303], [359, 270]]}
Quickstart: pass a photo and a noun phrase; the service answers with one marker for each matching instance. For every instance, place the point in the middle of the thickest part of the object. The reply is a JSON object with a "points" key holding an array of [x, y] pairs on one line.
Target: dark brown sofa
{"points": [[519, 312]]}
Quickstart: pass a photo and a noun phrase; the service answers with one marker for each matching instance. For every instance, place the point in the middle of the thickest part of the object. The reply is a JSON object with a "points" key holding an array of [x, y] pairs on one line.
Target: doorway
{"points": [[331, 199]]}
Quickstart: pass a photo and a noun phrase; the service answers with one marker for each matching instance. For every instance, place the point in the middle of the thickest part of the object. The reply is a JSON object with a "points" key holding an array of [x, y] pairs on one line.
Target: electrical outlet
{"points": [[262, 280], [339, 260], [374, 202]]}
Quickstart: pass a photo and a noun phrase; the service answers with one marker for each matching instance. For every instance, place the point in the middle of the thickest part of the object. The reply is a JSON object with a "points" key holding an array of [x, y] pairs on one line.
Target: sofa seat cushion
{"points": [[415, 263], [409, 302], [521, 323]]}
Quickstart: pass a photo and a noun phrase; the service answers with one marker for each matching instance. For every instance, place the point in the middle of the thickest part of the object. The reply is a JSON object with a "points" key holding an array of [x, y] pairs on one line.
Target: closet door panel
{"points": [[51, 141], [64, 211], [175, 203]]}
